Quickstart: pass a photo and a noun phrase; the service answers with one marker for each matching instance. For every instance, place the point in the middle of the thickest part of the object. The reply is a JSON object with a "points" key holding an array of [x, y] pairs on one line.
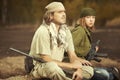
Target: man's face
{"points": [[89, 21], [59, 17]]}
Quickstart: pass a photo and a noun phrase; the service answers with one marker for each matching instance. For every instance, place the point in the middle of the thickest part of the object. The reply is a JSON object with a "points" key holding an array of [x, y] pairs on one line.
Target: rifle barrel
{"points": [[23, 53]]}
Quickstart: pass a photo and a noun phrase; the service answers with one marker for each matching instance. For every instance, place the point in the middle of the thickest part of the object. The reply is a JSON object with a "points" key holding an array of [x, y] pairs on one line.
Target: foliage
{"points": [[32, 11], [106, 9], [19, 11], [73, 9]]}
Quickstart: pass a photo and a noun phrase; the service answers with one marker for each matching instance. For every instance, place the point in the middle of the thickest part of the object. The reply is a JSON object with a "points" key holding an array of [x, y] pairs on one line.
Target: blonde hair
{"points": [[81, 22]]}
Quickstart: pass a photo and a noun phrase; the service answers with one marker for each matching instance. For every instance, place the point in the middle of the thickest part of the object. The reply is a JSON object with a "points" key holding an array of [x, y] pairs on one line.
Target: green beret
{"points": [[87, 12]]}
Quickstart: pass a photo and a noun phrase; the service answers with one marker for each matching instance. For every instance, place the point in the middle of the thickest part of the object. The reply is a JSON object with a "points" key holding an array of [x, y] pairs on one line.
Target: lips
{"points": [[91, 23]]}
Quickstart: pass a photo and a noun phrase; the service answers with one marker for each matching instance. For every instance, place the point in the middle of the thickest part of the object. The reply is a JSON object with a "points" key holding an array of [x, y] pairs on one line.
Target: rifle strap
{"points": [[88, 35]]}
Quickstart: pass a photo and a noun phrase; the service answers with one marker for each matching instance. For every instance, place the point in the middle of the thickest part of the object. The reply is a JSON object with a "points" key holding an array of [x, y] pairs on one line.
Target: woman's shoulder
{"points": [[78, 28]]}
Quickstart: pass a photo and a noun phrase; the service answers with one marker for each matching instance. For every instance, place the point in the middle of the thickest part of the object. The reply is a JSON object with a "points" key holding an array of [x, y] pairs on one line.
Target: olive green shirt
{"points": [[81, 40]]}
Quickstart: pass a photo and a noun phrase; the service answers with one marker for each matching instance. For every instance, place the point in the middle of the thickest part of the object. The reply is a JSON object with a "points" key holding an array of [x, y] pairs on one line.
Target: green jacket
{"points": [[82, 40]]}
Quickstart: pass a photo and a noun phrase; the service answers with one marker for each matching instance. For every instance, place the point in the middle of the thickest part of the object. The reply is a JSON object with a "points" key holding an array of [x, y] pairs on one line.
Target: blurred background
{"points": [[31, 11], [19, 19]]}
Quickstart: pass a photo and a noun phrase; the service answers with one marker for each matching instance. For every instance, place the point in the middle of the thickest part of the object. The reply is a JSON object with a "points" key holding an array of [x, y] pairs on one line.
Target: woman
{"points": [[81, 33], [82, 41]]}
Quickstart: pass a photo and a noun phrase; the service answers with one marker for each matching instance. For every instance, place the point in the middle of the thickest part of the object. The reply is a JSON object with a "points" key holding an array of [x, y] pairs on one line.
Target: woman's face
{"points": [[89, 21]]}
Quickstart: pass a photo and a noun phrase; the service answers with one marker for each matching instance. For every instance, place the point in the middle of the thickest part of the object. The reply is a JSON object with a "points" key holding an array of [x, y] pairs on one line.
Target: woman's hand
{"points": [[97, 48], [85, 62], [77, 75]]}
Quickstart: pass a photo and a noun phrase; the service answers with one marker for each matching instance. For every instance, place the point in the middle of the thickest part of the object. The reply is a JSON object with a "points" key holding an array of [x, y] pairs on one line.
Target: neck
{"points": [[57, 27]]}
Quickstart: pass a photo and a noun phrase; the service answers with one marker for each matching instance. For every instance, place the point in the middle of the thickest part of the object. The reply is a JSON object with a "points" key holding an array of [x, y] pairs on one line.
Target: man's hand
{"points": [[77, 75]]}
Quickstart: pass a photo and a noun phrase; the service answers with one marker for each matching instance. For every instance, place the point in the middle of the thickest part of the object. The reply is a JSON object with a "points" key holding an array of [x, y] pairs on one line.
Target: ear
{"points": [[51, 16], [78, 21]]}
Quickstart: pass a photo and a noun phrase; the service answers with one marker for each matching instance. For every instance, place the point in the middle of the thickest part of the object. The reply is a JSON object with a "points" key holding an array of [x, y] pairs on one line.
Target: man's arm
{"points": [[59, 63], [73, 58]]}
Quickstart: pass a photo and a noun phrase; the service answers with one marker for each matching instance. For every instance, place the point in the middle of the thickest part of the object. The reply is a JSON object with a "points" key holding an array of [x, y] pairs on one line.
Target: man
{"points": [[50, 42], [82, 41]]}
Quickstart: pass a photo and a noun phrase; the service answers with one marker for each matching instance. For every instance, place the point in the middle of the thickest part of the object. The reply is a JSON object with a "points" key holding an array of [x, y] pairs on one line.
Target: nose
{"points": [[64, 13], [92, 18]]}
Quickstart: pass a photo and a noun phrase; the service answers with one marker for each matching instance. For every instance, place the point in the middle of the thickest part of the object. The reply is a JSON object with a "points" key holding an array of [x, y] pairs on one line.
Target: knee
{"points": [[46, 70], [91, 71], [88, 72], [100, 74], [52, 67]]}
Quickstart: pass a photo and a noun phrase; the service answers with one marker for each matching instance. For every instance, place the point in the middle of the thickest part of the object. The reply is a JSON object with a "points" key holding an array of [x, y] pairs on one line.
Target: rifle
{"points": [[29, 61], [27, 55], [93, 55]]}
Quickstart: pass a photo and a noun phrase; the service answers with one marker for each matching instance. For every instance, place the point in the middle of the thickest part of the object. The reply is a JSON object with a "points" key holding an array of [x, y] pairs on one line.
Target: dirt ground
{"points": [[12, 63]]}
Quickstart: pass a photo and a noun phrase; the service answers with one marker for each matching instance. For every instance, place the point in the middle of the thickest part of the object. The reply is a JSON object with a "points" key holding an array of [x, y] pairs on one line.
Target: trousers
{"points": [[53, 71]]}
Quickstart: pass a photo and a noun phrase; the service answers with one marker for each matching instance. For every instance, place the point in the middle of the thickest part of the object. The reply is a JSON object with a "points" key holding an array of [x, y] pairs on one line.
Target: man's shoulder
{"points": [[41, 29]]}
